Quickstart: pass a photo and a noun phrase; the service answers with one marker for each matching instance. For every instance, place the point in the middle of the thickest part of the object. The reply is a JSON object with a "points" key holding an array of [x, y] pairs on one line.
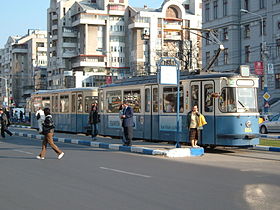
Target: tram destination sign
{"points": [[168, 75]]}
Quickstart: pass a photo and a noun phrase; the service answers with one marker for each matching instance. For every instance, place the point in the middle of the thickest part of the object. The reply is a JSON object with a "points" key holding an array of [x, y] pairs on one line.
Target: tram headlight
{"points": [[248, 124]]}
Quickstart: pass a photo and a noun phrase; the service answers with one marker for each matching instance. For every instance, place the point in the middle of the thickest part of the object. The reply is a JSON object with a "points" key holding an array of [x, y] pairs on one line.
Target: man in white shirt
{"points": [[40, 116]]}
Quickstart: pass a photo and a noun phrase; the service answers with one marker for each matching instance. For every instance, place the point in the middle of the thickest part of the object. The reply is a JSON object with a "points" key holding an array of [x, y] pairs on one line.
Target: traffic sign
{"points": [[266, 105], [266, 96]]}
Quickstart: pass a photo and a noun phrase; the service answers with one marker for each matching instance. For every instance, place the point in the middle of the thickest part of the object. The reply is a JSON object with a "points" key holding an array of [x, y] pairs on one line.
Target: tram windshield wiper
{"points": [[243, 106]]}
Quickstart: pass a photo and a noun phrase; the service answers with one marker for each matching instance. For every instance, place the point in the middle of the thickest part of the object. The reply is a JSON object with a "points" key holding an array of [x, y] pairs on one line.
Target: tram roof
{"points": [[64, 90], [153, 78]]}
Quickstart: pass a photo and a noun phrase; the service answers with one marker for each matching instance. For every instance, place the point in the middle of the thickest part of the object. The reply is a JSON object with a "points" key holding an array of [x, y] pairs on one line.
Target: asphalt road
{"points": [[90, 178]]}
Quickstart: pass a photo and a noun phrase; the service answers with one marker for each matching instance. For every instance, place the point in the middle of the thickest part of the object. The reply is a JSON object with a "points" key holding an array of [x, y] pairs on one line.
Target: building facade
{"points": [[247, 37], [164, 32], [19, 59], [86, 42], [92, 42]]}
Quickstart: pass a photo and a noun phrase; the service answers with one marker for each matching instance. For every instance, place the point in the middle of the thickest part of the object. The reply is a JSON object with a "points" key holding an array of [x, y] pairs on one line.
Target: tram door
{"points": [[74, 112], [208, 110], [151, 116]]}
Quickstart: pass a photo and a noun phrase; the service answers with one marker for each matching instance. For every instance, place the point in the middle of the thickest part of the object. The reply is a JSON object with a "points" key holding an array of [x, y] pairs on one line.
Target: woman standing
{"points": [[93, 120], [48, 131]]}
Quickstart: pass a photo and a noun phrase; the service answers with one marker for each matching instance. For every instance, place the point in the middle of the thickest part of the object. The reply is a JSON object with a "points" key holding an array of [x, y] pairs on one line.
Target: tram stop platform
{"points": [[138, 146]]}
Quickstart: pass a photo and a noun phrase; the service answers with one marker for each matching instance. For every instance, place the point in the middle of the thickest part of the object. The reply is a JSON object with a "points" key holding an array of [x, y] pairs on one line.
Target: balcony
{"points": [[69, 45], [69, 32], [89, 61], [19, 49], [172, 27], [172, 37], [116, 9], [139, 22], [84, 18], [54, 17], [54, 27]]}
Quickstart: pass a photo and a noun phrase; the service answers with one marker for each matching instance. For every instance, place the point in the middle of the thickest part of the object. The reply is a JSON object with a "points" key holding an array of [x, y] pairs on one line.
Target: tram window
{"points": [[155, 100], [208, 100], [147, 100], [80, 103], [37, 103], [89, 100], [114, 101], [55, 103], [246, 100], [134, 99], [227, 100], [194, 95], [46, 102], [73, 103], [101, 101], [170, 99], [64, 103]]}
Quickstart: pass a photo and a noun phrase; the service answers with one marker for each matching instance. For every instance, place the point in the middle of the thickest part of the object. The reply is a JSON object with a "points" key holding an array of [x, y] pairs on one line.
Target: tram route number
{"points": [[247, 130]]}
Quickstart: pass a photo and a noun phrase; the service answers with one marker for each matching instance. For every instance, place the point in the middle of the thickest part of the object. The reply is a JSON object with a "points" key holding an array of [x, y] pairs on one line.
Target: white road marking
{"points": [[21, 151], [125, 172]]}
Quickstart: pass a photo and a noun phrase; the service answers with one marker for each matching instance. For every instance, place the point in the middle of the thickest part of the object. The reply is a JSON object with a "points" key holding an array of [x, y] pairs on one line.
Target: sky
{"points": [[17, 16]]}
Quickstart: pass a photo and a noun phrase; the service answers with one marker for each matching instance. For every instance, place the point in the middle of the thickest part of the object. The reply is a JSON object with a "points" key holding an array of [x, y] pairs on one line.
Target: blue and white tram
{"points": [[69, 107], [227, 100]]}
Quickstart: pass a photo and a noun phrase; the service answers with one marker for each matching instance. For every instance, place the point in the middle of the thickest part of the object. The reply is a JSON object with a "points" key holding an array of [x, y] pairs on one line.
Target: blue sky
{"points": [[17, 16]]}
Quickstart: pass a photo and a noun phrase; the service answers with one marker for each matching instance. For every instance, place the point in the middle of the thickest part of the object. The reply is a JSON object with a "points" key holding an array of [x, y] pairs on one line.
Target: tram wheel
{"points": [[263, 130]]}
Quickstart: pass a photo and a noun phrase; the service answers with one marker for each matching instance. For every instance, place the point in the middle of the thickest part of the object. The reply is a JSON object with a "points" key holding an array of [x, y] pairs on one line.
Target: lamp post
{"points": [[6, 89], [263, 55]]}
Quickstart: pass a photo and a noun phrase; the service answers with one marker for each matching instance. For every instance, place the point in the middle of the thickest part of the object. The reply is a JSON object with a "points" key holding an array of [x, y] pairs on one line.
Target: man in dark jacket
{"points": [[93, 119], [4, 123], [127, 123], [48, 131]]}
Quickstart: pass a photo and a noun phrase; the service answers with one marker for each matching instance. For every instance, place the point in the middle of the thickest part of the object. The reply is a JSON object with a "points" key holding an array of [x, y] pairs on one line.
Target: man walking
{"points": [[127, 123], [4, 124]]}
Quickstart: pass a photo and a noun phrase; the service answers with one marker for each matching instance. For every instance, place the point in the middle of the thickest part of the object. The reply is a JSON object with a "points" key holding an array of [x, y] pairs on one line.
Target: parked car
{"points": [[271, 125]]}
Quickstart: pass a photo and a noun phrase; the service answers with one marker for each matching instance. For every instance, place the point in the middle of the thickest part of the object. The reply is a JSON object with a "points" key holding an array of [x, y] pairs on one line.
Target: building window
{"points": [[121, 1], [277, 47], [225, 7], [261, 82], [93, 1], [247, 54], [261, 52], [207, 57], [225, 34], [246, 4], [187, 7], [247, 31], [264, 27], [207, 37], [261, 2], [225, 56], [277, 81], [215, 10], [207, 12], [216, 63]]}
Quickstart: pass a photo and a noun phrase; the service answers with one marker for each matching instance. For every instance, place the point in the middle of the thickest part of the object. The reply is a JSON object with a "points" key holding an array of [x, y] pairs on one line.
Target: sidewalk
{"points": [[138, 146]]}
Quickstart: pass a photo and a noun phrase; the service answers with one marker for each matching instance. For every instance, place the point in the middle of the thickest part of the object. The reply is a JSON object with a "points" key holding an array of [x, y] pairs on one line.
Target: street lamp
{"points": [[6, 89], [263, 53]]}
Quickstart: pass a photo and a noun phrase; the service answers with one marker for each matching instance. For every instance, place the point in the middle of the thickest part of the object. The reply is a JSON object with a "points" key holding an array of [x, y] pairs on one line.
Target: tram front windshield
{"points": [[238, 100]]}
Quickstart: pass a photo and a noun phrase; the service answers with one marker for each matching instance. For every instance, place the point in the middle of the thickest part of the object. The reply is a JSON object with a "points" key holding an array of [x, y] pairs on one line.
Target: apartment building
{"points": [[164, 32], [243, 37], [86, 42], [19, 59]]}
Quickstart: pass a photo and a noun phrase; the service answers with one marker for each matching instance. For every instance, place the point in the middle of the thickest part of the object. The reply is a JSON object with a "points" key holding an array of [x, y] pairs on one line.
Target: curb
{"points": [[189, 152], [269, 137], [267, 148]]}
